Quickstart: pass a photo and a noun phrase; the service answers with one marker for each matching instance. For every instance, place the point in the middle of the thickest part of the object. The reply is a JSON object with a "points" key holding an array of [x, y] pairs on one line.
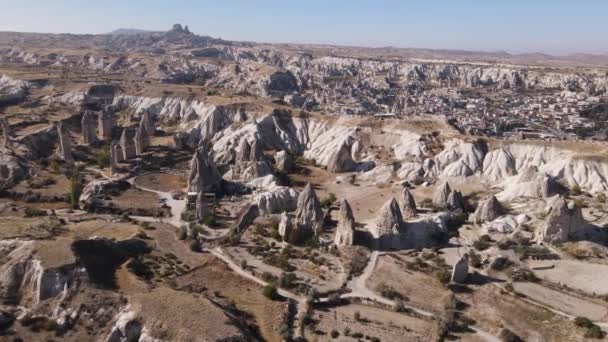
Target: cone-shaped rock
{"points": [[440, 197], [204, 175], [147, 121], [309, 215], [408, 204], [243, 151], [460, 271], [455, 201], [342, 161], [390, 217], [488, 210], [346, 225], [563, 221]]}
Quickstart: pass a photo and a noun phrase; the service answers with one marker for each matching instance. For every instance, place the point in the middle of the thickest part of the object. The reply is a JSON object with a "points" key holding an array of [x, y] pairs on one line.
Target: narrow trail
{"points": [[357, 285]]}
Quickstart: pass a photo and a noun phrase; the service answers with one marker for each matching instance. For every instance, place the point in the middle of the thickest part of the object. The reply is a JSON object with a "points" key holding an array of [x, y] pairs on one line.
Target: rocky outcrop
{"points": [[11, 170], [456, 202], [6, 132], [286, 227], [488, 210], [64, 150], [408, 204], [201, 206], [499, 164], [342, 161], [460, 270], [98, 190], [284, 161], [126, 145], [243, 151], [204, 176], [276, 200], [563, 222], [388, 226], [89, 130], [441, 195], [548, 186], [309, 215], [346, 225], [105, 124], [114, 159], [247, 217]]}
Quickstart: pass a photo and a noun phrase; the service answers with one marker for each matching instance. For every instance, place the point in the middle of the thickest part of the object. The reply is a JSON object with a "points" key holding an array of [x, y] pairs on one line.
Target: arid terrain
{"points": [[165, 186]]}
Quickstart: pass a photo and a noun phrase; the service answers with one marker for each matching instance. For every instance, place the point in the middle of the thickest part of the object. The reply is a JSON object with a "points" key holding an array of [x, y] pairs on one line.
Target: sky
{"points": [[516, 26]]}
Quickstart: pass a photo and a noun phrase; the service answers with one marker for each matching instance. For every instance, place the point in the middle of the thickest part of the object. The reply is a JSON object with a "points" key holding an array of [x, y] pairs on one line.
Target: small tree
{"points": [[270, 291]]}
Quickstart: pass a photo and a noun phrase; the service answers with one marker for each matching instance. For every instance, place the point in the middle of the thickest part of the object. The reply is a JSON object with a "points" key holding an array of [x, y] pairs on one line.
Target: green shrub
{"points": [[33, 212], [334, 334], [594, 332], [327, 202], [270, 291], [583, 322], [443, 276]]}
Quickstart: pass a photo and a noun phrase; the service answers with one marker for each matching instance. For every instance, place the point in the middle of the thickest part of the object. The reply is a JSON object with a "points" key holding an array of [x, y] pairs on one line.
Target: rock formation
{"points": [[488, 210], [118, 155], [64, 151], [126, 145], [460, 271], [284, 161], [6, 131], [408, 204], [341, 161], [202, 208], [346, 225], [548, 186], [388, 226], [441, 195], [141, 140], [286, 227], [243, 151], [204, 175], [147, 121], [113, 158], [455, 201], [89, 132], [105, 124], [247, 218], [562, 223], [256, 154], [309, 215]]}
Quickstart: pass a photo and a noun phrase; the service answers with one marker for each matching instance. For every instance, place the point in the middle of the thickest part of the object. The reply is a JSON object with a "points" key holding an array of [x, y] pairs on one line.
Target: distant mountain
{"points": [[128, 32]]}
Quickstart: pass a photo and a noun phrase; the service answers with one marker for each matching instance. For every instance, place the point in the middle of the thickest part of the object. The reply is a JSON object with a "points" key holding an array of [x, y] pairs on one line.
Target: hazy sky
{"points": [[553, 26]]}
